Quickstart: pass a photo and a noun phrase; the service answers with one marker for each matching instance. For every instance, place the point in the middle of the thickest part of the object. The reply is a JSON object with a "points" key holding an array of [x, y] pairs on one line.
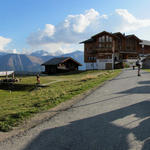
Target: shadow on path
{"points": [[137, 90], [101, 132], [144, 82]]}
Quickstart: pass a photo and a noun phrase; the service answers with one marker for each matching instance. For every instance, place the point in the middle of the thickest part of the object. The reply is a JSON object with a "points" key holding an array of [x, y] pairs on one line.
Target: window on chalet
{"points": [[107, 45], [103, 45], [100, 39], [135, 43], [108, 57], [100, 45], [103, 38], [110, 39], [131, 44], [119, 44], [107, 38], [91, 58], [128, 44]]}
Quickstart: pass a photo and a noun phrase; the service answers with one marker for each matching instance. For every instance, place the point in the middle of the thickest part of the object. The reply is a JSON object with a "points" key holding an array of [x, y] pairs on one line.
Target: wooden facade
{"points": [[111, 49], [60, 65], [144, 47]]}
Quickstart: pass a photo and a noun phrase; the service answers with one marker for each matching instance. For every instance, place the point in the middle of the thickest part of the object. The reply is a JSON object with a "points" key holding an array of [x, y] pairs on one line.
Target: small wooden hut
{"points": [[60, 65]]}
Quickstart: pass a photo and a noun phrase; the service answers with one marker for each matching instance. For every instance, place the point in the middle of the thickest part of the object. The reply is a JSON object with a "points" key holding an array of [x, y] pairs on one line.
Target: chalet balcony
{"points": [[128, 52], [104, 50], [106, 60], [118, 61], [92, 52]]}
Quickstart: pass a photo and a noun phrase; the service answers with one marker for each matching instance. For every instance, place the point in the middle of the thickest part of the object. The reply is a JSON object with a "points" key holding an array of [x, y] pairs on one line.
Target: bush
{"points": [[5, 127], [126, 65]]}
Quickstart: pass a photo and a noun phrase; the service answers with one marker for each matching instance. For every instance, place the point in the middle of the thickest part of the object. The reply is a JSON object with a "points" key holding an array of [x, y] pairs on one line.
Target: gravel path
{"points": [[114, 117]]}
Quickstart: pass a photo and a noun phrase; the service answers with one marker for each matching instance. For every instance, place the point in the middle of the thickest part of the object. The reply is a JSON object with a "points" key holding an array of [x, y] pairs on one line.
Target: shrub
{"points": [[126, 65]]}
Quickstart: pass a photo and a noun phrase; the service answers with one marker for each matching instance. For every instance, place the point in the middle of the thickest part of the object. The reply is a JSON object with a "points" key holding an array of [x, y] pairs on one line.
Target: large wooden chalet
{"points": [[60, 65], [109, 50]]}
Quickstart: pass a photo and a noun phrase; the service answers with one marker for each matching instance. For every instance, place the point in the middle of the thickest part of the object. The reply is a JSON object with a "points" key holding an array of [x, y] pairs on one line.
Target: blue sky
{"points": [[59, 25]]}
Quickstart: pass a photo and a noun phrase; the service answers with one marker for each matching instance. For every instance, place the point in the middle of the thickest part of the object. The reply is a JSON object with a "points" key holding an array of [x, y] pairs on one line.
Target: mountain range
{"points": [[32, 62]]}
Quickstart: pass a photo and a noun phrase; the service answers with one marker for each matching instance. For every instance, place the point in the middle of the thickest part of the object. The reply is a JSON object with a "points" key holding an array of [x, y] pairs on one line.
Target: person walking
{"points": [[139, 64], [133, 65], [38, 78]]}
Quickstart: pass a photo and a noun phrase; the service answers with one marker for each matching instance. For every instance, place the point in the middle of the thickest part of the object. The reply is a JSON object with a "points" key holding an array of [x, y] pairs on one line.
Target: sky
{"points": [[57, 26]]}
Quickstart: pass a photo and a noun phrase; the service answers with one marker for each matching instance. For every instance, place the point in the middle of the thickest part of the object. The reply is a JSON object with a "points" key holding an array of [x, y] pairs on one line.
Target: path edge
{"points": [[47, 115]]}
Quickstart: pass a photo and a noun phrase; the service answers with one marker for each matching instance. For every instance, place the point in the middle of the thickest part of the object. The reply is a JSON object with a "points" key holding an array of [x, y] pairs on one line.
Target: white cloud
{"points": [[131, 23], [49, 30], [66, 35], [72, 29], [4, 42], [82, 21], [14, 51]]}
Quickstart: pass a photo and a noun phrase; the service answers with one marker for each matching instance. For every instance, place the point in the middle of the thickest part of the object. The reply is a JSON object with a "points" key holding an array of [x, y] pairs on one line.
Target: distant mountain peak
{"points": [[39, 53], [20, 62]]}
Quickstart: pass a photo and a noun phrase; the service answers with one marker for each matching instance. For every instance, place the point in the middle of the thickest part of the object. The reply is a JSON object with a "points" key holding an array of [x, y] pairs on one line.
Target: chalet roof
{"points": [[116, 35], [87, 41], [145, 42], [103, 32], [132, 35], [93, 37], [119, 33], [6, 73], [59, 60]]}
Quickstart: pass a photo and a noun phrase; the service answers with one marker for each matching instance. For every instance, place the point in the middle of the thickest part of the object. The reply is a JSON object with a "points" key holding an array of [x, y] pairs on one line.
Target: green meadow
{"points": [[22, 100]]}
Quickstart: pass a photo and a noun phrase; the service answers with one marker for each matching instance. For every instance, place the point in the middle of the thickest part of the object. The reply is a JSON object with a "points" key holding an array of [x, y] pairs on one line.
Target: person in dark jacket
{"points": [[139, 64]]}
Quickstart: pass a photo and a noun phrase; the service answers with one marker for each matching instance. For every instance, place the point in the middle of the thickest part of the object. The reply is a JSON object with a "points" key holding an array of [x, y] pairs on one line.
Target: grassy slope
{"points": [[148, 70], [21, 101]]}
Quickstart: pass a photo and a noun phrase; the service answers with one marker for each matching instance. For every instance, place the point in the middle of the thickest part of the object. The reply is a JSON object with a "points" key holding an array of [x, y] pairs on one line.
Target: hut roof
{"points": [[87, 41], [59, 60], [6, 73]]}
